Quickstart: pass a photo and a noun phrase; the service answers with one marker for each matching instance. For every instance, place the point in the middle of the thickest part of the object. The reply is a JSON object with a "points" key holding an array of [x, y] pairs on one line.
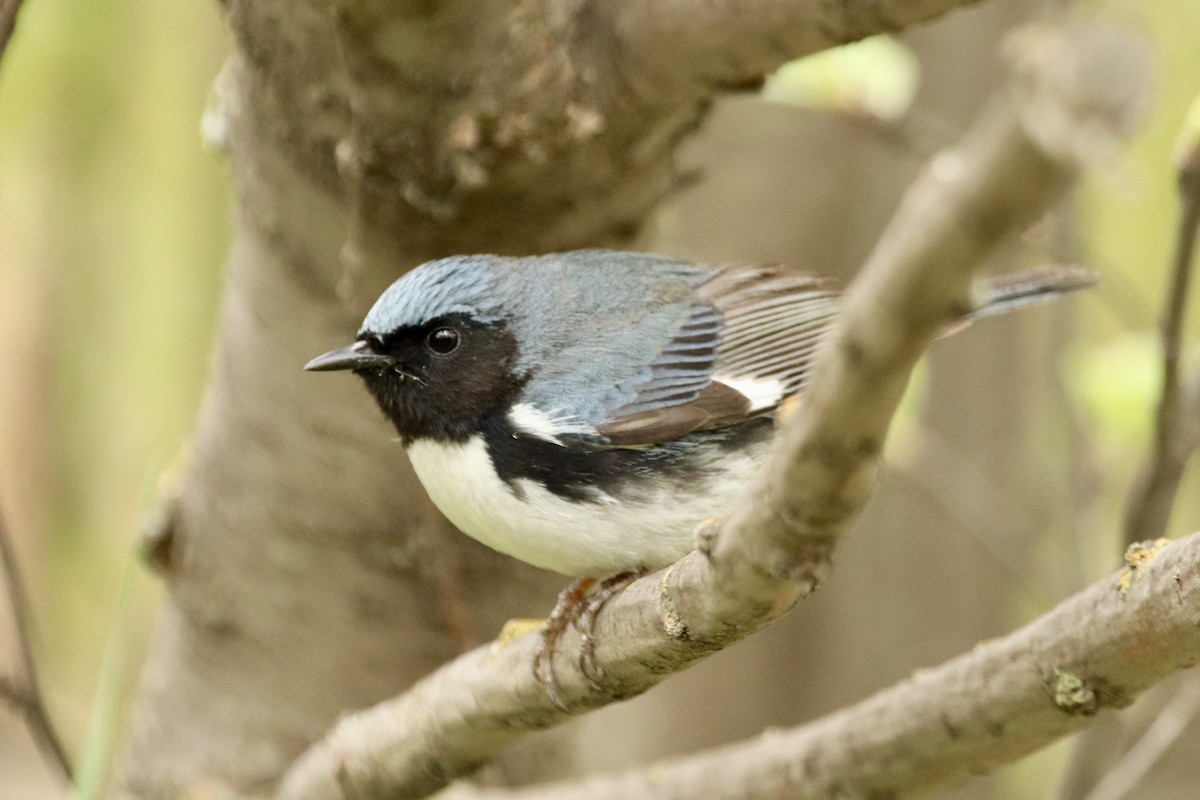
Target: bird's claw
{"points": [[578, 605], [566, 609], [543, 673]]}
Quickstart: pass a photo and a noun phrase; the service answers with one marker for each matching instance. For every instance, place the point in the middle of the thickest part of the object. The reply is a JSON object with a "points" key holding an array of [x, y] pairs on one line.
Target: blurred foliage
{"points": [[112, 235], [1129, 224], [876, 77], [1189, 135], [1118, 407], [113, 232]]}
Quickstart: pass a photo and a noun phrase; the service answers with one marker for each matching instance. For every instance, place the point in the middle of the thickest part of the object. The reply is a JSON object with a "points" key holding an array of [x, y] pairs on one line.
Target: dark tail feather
{"points": [[1020, 289]]}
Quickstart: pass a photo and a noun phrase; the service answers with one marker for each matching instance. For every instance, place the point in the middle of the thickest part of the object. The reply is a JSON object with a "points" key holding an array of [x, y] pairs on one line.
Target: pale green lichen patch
{"points": [[1072, 693], [513, 630]]}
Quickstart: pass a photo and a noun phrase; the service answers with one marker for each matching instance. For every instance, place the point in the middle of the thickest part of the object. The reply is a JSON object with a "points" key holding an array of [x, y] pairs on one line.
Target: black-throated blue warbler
{"points": [[586, 411]]}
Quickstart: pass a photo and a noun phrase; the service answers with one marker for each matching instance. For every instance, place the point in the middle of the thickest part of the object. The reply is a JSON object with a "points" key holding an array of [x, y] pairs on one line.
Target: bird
{"points": [[587, 411]]}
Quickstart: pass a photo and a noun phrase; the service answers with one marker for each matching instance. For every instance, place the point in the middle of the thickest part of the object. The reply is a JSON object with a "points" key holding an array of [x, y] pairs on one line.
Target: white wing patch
{"points": [[547, 427], [763, 393]]}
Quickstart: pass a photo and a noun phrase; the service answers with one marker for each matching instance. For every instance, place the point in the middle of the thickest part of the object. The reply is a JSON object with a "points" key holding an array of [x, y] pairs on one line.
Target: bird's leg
{"points": [[586, 621], [566, 610]]}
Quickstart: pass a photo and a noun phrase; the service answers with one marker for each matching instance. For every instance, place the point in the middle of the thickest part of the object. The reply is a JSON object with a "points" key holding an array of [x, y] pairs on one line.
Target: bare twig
{"points": [[1176, 429], [8, 22], [25, 691], [775, 546], [987, 531]]}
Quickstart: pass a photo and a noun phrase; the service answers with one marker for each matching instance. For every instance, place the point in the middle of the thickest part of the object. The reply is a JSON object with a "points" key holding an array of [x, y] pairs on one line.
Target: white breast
{"points": [[597, 538]]}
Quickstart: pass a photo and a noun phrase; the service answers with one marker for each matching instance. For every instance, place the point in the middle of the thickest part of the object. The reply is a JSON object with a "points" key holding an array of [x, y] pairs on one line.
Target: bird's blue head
{"points": [[460, 286], [435, 350]]}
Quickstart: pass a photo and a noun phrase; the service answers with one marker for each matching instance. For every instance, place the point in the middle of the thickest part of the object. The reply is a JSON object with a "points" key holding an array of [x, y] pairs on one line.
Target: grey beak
{"points": [[356, 356]]}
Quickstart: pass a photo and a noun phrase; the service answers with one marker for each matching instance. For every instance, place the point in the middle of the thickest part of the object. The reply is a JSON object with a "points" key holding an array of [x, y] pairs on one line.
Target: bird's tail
{"points": [[1020, 289]]}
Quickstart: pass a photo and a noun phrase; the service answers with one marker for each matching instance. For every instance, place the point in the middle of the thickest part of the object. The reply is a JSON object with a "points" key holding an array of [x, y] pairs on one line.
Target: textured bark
{"points": [[308, 573], [305, 564]]}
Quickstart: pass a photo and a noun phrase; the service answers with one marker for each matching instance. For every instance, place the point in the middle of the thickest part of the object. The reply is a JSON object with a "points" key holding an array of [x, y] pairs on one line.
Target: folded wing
{"points": [[747, 345]]}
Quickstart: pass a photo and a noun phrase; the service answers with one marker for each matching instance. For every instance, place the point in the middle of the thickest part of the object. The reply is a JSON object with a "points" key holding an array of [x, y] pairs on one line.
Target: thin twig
{"points": [[1175, 435], [988, 532], [1172, 721], [25, 692], [8, 22]]}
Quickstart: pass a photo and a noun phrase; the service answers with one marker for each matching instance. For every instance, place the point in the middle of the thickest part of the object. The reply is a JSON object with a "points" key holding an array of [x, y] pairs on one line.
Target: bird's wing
{"points": [[747, 344]]}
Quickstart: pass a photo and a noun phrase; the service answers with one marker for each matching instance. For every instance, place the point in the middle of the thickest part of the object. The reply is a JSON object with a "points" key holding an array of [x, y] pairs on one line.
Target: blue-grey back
{"points": [[589, 324]]}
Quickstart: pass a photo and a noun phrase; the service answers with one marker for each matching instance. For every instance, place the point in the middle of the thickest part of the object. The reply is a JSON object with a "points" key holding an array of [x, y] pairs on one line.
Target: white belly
{"points": [[574, 538]]}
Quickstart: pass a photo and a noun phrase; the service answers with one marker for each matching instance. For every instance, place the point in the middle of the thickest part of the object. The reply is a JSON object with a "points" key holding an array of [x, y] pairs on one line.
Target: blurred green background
{"points": [[113, 232], [113, 229]]}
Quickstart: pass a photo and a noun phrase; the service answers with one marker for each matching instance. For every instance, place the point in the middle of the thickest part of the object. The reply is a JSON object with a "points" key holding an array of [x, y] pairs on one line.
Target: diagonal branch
{"points": [[731, 43], [775, 546], [988, 707], [25, 692]]}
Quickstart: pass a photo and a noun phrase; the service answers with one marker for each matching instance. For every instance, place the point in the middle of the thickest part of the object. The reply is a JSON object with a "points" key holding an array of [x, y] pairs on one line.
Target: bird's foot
{"points": [[565, 610], [586, 621], [579, 604]]}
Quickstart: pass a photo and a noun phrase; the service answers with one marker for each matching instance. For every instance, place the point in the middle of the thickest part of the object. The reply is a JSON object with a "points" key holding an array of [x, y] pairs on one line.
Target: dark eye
{"points": [[442, 341]]}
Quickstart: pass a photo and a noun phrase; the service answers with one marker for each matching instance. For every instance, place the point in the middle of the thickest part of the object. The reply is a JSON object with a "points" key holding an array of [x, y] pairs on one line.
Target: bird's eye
{"points": [[442, 341]]}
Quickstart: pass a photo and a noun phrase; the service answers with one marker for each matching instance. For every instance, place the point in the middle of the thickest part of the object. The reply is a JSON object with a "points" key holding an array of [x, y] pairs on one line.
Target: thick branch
{"points": [[775, 547], [698, 47], [1008, 697]]}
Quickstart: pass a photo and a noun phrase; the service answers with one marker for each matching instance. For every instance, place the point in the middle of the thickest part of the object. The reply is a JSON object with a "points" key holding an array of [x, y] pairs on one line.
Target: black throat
{"points": [[445, 398]]}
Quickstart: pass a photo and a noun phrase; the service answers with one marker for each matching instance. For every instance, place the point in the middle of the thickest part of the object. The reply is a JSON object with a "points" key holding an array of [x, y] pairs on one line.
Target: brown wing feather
{"points": [[774, 323], [714, 406], [748, 345]]}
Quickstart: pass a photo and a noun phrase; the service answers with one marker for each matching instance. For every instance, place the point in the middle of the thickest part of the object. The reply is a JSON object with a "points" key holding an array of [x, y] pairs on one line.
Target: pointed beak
{"points": [[357, 356]]}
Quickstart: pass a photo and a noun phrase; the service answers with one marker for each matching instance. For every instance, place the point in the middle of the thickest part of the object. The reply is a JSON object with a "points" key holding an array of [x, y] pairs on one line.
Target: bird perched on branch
{"points": [[586, 411]]}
